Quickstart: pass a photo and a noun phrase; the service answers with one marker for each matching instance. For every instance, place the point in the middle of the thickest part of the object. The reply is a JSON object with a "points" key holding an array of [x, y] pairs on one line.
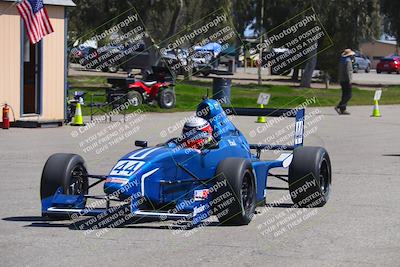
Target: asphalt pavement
{"points": [[360, 225]]}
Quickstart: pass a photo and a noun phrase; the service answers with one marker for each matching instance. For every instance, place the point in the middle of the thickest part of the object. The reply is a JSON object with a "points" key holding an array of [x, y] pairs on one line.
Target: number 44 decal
{"points": [[126, 167]]}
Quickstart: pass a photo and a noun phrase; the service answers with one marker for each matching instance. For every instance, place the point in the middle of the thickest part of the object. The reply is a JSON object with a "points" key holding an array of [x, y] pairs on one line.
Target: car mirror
{"points": [[141, 143]]}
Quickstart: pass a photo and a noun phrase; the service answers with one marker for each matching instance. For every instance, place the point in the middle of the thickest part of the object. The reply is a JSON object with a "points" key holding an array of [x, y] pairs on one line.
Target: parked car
{"points": [[203, 62], [389, 65], [80, 52], [361, 62], [176, 60], [99, 59], [206, 58]]}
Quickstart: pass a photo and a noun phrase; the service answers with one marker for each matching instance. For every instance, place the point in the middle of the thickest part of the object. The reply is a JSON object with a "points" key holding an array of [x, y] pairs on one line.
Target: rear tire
{"points": [[310, 177], [368, 69], [66, 171], [167, 98], [238, 205]]}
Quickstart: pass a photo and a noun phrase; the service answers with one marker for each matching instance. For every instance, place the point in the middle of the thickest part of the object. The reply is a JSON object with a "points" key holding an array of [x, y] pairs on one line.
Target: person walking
{"points": [[345, 78]]}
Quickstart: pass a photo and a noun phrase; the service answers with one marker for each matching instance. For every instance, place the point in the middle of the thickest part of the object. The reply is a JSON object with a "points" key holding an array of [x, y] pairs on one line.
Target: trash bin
{"points": [[222, 90]]}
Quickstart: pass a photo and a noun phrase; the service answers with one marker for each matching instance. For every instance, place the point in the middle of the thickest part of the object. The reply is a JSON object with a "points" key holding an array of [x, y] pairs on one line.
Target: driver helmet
{"points": [[196, 133]]}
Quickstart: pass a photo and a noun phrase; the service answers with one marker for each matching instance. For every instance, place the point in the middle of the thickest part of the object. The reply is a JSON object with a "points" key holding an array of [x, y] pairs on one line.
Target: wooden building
{"points": [[33, 78]]}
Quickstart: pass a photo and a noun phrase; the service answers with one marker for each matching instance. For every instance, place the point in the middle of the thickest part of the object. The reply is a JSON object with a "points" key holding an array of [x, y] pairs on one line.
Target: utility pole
{"points": [[261, 41]]}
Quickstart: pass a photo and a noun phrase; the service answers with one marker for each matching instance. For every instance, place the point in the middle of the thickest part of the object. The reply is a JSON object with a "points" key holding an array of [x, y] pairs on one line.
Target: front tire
{"points": [[167, 99], [135, 98], [238, 205], [310, 177], [65, 171]]}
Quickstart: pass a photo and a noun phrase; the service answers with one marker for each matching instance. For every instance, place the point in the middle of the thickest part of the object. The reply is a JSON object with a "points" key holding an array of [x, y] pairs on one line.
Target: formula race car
{"points": [[221, 178]]}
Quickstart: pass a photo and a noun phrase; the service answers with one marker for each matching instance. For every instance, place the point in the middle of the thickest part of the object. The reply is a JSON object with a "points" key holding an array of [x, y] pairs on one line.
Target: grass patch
{"points": [[189, 94]]}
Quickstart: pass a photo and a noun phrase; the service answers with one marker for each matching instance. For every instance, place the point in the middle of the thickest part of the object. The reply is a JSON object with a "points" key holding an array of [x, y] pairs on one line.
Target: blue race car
{"points": [[221, 178]]}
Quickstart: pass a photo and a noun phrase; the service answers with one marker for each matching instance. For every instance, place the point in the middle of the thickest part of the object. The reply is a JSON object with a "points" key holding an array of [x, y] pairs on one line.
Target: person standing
{"points": [[345, 79]]}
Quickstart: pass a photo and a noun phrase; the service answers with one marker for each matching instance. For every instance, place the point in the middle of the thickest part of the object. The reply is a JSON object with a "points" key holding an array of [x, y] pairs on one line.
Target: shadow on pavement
{"points": [[88, 223]]}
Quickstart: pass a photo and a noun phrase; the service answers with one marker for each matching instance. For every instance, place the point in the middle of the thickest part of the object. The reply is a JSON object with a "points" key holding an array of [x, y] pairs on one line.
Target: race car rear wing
{"points": [[299, 124]]}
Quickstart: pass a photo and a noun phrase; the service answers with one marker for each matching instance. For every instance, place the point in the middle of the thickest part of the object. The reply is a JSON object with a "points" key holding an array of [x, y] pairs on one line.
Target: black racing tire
{"points": [[237, 200], [167, 98], [310, 177], [60, 171], [135, 98]]}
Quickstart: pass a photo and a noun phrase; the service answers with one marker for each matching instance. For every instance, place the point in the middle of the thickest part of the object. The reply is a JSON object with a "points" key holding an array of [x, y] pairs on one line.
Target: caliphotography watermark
{"points": [[197, 48], [292, 43], [113, 45], [100, 139]]}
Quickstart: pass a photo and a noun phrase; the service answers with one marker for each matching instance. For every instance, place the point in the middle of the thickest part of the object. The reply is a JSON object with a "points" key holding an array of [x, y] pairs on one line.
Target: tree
{"points": [[347, 23], [391, 10]]}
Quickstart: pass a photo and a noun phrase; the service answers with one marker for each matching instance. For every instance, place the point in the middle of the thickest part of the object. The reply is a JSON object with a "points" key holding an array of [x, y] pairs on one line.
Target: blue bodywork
{"points": [[167, 175]]}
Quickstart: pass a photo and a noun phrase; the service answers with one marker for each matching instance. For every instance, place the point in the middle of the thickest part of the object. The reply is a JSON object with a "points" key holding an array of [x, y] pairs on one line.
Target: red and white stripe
{"points": [[37, 25]]}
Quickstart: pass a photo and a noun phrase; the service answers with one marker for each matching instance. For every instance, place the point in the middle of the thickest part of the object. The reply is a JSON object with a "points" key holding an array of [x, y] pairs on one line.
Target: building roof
{"points": [[52, 2], [387, 42]]}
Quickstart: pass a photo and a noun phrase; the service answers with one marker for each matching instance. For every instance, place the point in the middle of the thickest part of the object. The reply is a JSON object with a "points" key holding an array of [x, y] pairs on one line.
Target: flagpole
{"points": [[13, 4]]}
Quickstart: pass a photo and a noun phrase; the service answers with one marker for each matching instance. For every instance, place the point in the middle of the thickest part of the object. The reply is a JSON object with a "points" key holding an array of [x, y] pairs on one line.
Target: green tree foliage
{"points": [[347, 22], [391, 9], [162, 19]]}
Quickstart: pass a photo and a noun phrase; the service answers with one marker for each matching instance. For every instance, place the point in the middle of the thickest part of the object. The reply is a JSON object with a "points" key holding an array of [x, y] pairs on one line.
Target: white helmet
{"points": [[196, 132]]}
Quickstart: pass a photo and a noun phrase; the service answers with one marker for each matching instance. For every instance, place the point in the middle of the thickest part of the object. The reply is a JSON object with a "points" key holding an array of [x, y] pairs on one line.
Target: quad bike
{"points": [[156, 88]]}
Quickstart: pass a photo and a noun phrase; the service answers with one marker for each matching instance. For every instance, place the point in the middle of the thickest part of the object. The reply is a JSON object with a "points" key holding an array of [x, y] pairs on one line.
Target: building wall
{"points": [[10, 57], [53, 66], [377, 50], [53, 63]]}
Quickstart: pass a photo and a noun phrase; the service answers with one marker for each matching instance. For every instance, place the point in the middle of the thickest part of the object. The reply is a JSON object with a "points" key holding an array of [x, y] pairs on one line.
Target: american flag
{"points": [[35, 18]]}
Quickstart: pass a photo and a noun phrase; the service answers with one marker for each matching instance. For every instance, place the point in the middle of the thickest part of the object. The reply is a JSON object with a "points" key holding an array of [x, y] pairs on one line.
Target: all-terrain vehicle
{"points": [[157, 87]]}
